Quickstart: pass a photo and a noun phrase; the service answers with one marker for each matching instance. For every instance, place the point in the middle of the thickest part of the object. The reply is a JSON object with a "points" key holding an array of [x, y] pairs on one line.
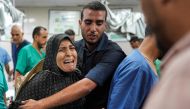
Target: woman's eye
{"points": [[61, 50]]}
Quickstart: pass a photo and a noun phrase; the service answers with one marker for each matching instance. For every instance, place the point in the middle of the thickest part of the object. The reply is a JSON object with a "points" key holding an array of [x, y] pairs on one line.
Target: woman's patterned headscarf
{"points": [[52, 50]]}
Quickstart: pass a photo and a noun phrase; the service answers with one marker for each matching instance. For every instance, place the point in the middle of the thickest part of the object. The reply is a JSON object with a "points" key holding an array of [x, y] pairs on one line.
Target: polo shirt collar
{"points": [[102, 44]]}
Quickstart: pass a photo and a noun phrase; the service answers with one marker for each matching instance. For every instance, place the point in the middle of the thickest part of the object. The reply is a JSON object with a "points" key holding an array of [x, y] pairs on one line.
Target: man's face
{"points": [[72, 37], [17, 35], [135, 44], [42, 38], [153, 12], [92, 25]]}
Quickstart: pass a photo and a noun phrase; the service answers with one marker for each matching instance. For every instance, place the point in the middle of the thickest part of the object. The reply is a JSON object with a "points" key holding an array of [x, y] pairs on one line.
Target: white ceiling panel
{"points": [[54, 3]]}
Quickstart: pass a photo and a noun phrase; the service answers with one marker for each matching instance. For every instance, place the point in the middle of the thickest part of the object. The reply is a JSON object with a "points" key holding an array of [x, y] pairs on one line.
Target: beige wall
{"points": [[125, 46], [39, 16]]}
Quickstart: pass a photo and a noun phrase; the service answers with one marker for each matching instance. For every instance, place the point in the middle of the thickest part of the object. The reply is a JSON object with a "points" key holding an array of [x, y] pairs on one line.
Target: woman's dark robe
{"points": [[51, 79]]}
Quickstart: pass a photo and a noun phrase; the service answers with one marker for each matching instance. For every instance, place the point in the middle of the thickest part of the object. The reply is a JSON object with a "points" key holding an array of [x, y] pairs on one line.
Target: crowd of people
{"points": [[94, 72]]}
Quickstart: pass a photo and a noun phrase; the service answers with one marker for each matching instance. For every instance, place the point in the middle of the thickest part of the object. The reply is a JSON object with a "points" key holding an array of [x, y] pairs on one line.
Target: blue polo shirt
{"points": [[15, 51], [99, 66], [4, 56], [131, 83]]}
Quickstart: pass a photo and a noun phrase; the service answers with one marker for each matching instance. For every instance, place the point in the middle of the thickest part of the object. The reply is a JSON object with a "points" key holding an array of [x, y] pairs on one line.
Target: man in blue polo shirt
{"points": [[135, 76], [18, 42]]}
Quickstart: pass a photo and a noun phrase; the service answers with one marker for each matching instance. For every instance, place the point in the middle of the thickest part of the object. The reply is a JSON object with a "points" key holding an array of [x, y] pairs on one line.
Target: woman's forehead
{"points": [[65, 42]]}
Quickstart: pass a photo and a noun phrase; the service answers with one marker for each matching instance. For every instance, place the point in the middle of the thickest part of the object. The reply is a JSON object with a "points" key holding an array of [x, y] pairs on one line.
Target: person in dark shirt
{"points": [[98, 59], [17, 43]]}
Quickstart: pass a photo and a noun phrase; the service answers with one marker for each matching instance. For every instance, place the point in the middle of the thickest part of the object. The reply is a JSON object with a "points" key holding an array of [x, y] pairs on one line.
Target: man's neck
{"points": [[149, 54], [36, 47], [148, 49], [17, 45]]}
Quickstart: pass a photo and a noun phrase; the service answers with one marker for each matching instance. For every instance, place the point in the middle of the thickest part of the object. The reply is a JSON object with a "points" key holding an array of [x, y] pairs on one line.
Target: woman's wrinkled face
{"points": [[66, 58]]}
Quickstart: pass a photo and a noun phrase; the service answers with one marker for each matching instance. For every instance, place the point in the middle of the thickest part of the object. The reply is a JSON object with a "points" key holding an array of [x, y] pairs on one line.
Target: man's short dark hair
{"points": [[37, 30], [96, 6], [134, 39], [70, 32]]}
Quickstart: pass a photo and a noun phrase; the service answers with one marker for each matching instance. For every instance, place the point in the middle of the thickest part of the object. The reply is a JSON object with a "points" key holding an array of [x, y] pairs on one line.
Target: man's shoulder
{"points": [[113, 45], [26, 48], [134, 60], [108, 44], [25, 42], [79, 42], [3, 50]]}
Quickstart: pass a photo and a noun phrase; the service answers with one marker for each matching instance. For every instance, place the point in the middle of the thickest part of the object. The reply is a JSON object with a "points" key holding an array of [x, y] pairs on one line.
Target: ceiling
{"points": [[54, 3]]}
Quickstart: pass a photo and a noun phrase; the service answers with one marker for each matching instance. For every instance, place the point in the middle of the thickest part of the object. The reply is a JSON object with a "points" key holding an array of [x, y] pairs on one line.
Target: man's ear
{"points": [[80, 22], [106, 26], [35, 37]]}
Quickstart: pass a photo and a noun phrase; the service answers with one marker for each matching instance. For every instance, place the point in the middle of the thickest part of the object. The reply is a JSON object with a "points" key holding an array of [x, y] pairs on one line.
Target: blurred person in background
{"points": [[31, 54], [18, 42], [135, 42], [71, 34], [170, 21], [5, 59]]}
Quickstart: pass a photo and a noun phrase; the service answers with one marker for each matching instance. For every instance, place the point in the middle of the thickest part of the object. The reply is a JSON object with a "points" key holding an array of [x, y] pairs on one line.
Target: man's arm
{"points": [[7, 59], [17, 79], [7, 68], [67, 95]]}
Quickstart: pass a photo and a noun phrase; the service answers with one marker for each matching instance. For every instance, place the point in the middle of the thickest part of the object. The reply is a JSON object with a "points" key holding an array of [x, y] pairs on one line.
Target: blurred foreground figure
{"points": [[170, 20]]}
